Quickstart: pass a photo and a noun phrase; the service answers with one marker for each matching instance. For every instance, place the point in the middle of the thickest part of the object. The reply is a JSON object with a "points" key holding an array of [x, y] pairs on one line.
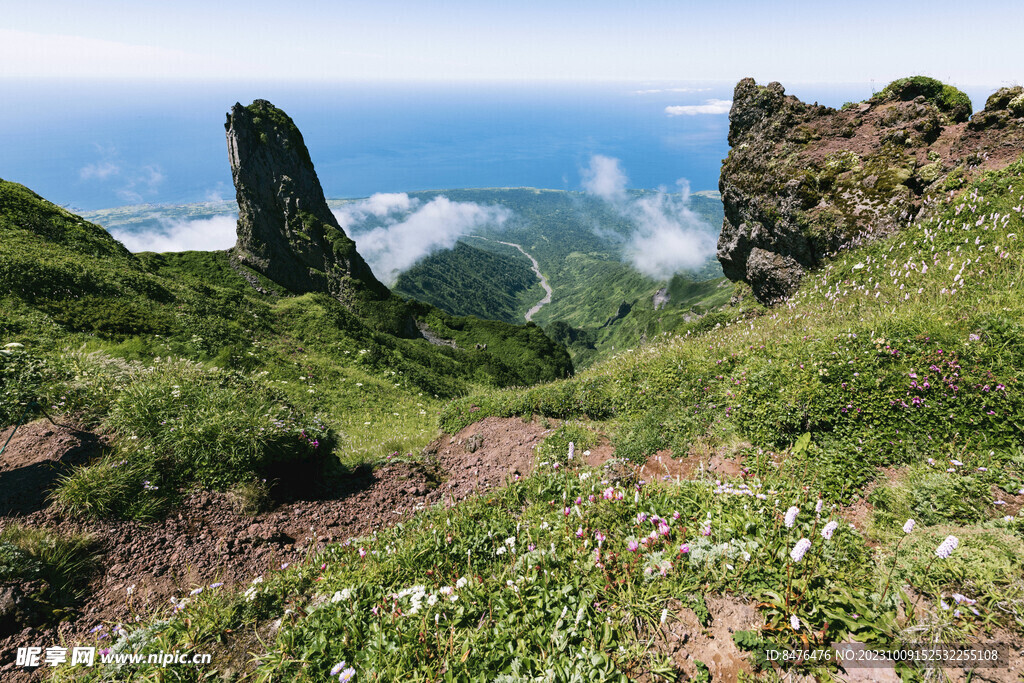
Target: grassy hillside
{"points": [[887, 390], [938, 304], [206, 381]]}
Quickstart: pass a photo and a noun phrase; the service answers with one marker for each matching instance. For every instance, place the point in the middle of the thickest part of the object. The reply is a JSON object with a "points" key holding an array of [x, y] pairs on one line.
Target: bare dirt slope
{"points": [[205, 540]]}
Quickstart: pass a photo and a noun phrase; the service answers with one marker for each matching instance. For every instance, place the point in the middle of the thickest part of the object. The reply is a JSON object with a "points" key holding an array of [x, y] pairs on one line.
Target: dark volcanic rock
{"points": [[285, 230], [803, 181], [17, 610]]}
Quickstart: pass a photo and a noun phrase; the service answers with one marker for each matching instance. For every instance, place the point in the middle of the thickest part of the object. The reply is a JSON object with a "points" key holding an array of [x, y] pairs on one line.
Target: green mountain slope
{"points": [[96, 322], [470, 281], [578, 242]]}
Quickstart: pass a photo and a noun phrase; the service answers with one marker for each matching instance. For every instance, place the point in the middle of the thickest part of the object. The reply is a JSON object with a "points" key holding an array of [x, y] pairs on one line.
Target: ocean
{"points": [[97, 145]]}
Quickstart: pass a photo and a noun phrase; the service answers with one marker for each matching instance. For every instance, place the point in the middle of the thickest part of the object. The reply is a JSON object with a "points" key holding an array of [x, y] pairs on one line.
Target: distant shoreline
{"points": [[228, 206]]}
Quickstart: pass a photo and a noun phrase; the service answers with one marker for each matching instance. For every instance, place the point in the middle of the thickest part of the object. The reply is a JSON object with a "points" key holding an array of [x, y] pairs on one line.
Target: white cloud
{"points": [[101, 170], [206, 234], [394, 231], [219, 192], [141, 183], [384, 203], [380, 206], [604, 178], [655, 91], [667, 236], [709, 107]]}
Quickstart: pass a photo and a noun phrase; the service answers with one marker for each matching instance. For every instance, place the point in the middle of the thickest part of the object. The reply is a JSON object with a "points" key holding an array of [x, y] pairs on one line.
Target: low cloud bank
{"points": [[655, 91], [394, 231], [668, 237], [205, 234], [709, 107]]}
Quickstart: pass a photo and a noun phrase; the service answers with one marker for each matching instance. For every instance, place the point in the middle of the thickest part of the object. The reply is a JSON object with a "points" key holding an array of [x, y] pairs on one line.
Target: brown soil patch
{"points": [[686, 641], [205, 540], [1012, 502], [38, 453], [486, 454], [599, 454]]}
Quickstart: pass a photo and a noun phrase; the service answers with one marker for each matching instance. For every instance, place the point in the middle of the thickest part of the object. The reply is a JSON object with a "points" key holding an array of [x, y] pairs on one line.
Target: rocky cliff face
{"points": [[285, 229], [802, 180]]}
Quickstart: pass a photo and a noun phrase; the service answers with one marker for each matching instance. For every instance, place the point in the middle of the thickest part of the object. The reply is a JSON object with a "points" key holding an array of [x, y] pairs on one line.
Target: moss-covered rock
{"points": [[802, 181], [951, 101], [1001, 98], [1016, 105], [285, 229], [930, 172]]}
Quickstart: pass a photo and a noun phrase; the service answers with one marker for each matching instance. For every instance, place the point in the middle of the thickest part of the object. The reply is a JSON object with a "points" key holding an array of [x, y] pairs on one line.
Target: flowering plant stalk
{"points": [[908, 526], [944, 550]]}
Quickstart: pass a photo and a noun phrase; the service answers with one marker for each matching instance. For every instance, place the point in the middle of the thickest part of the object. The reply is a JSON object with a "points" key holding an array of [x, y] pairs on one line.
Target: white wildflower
{"points": [[800, 549], [947, 547]]}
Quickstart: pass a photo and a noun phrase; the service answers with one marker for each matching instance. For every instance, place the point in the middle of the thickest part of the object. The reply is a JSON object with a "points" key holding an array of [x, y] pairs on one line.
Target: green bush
{"points": [[180, 424], [114, 487], [110, 316], [25, 376], [16, 564], [642, 437], [930, 498], [953, 102], [984, 558], [64, 562], [1016, 105]]}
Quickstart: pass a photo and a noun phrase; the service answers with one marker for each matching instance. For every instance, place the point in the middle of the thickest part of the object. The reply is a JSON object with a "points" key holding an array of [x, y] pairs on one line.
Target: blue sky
{"points": [[525, 40]]}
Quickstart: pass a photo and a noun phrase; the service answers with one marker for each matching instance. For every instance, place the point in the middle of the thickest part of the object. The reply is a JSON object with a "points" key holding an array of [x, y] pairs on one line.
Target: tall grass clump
{"points": [[179, 424], [61, 562]]}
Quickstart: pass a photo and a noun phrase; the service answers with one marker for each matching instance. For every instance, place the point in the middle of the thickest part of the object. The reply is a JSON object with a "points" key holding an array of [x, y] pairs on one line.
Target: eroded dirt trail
{"points": [[205, 540]]}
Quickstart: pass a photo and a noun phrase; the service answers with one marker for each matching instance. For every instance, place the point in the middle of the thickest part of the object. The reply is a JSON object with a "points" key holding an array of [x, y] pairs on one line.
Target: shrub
{"points": [[180, 424], [115, 487], [984, 558], [1016, 105], [63, 561], [951, 101], [22, 379], [15, 563], [930, 498]]}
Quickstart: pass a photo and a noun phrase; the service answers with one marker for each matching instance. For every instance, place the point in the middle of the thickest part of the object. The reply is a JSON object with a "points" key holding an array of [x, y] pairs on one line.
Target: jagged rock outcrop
{"points": [[285, 230], [802, 180]]}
